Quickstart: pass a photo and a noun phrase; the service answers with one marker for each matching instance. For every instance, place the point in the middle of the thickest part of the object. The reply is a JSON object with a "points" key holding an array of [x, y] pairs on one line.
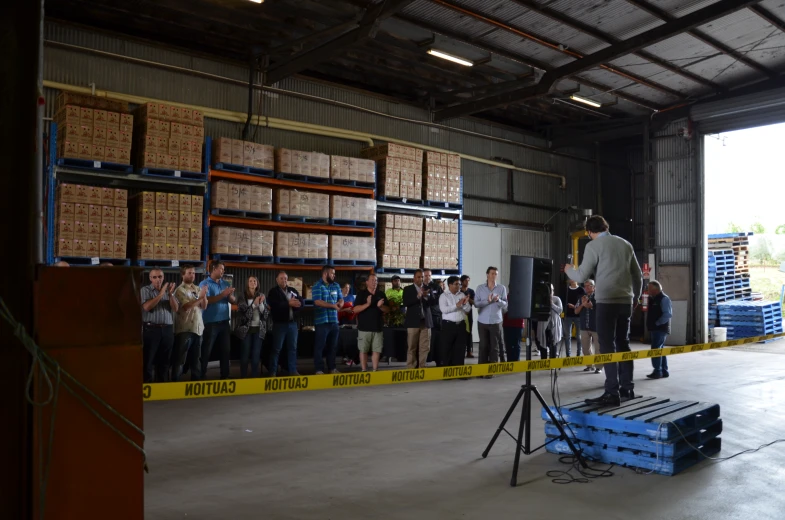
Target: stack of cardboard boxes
{"points": [[352, 248], [168, 226], [352, 169], [91, 221], [440, 244], [311, 164], [94, 134], [302, 203], [400, 241], [241, 197], [169, 137], [244, 153], [400, 170], [300, 245], [236, 241], [442, 177], [352, 208]]}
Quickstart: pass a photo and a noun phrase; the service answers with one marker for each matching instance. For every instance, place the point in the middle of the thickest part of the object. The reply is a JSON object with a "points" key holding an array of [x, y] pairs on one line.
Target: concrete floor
{"points": [[413, 451]]}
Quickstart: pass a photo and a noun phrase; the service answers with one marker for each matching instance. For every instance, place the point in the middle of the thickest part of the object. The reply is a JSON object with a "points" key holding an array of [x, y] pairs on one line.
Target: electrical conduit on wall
{"points": [[296, 126]]}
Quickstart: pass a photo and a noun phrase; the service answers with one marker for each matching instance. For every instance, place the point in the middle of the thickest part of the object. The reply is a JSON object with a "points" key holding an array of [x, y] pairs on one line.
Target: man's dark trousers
{"points": [[613, 329]]}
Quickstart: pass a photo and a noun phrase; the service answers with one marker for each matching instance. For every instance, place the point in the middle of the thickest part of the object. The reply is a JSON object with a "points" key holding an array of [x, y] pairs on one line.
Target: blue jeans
{"points": [[251, 347], [512, 342], [567, 325], [284, 332], [186, 349], [325, 341], [216, 332], [660, 364]]}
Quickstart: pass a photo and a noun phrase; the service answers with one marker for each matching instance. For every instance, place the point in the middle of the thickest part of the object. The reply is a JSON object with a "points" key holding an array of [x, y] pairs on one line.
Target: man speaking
{"points": [[619, 282]]}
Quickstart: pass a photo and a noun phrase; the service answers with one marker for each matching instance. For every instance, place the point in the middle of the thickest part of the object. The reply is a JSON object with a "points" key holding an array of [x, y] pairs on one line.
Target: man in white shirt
{"points": [[454, 306], [491, 302]]}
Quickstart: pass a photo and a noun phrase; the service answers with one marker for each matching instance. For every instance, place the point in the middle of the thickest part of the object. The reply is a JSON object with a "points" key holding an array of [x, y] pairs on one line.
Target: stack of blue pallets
{"points": [[652, 434], [745, 319], [722, 266]]}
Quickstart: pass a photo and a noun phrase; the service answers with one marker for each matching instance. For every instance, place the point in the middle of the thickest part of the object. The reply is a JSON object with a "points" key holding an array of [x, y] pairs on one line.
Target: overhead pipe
{"points": [[296, 126]]}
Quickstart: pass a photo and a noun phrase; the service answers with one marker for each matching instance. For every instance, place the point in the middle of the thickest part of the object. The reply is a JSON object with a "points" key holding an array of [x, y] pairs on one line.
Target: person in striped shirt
{"points": [[158, 304]]}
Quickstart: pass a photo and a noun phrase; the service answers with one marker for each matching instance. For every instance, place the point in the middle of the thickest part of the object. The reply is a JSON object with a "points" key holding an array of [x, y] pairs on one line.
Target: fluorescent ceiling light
{"points": [[449, 57], [586, 101], [257, 1]]}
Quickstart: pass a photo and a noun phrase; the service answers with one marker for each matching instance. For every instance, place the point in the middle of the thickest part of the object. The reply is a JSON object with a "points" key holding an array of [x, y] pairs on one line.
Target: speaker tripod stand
{"points": [[523, 440]]}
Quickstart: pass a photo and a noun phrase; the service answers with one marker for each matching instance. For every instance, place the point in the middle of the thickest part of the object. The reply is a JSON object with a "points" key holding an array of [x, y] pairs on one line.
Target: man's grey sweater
{"points": [[617, 275]]}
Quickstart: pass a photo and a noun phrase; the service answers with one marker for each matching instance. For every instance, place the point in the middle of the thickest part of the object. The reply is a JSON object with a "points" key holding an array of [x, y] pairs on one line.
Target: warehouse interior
{"points": [[541, 111]]}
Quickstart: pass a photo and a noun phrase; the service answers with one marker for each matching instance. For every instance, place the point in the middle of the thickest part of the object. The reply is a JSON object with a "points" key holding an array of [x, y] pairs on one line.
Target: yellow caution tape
{"points": [[272, 385]]}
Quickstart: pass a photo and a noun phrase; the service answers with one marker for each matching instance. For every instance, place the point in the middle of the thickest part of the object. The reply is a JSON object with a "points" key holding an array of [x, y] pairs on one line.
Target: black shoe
{"points": [[627, 394], [605, 400], [655, 375], [666, 374]]}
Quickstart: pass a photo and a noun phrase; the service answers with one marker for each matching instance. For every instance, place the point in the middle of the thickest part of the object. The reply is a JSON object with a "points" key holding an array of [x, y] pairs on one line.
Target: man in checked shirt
{"points": [[158, 331]]}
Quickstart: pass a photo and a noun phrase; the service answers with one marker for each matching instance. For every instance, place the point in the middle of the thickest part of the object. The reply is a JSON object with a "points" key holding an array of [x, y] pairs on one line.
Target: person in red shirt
{"points": [[513, 332]]}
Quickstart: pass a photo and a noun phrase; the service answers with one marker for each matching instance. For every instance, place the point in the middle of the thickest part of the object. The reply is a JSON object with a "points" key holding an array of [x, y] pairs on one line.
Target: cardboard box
{"points": [[196, 236], [196, 219], [99, 118], [145, 233], [121, 232], [161, 218], [283, 160], [67, 193], [161, 160], [147, 217], [165, 128], [223, 150], [248, 149], [164, 112], [244, 197], [173, 201], [220, 195], [171, 234], [144, 250], [148, 160], [99, 136], [80, 212], [80, 247], [65, 229], [86, 115], [65, 247], [196, 251], [197, 203], [85, 151], [107, 231], [120, 199], [159, 251], [171, 251], [237, 151], [93, 248], [184, 219], [119, 249], [161, 200], [234, 196], [175, 113]]}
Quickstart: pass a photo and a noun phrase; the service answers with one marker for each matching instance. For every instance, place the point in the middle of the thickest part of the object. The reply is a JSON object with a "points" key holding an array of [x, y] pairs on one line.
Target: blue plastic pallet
{"points": [[340, 222], [609, 438], [359, 263], [241, 214], [400, 200], [172, 174], [355, 184], [395, 270], [149, 262], [251, 259], [629, 458], [89, 164], [731, 235], [296, 219], [249, 170], [302, 178], [641, 416], [300, 261], [443, 204], [84, 260]]}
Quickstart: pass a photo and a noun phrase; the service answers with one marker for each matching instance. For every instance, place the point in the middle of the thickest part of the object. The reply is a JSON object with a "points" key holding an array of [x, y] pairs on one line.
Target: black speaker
{"points": [[530, 288]]}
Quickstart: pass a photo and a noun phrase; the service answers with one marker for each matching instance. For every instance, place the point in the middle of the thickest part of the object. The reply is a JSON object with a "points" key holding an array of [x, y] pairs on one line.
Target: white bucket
{"points": [[720, 334]]}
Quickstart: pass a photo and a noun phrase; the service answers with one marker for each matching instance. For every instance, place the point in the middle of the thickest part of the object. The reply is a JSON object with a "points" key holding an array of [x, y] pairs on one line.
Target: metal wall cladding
{"points": [[676, 213], [524, 243]]}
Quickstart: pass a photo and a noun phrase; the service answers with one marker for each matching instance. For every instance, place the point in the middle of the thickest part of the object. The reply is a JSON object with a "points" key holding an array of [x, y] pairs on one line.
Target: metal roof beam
{"points": [[634, 44], [531, 62], [705, 38], [608, 38], [366, 29], [545, 42]]}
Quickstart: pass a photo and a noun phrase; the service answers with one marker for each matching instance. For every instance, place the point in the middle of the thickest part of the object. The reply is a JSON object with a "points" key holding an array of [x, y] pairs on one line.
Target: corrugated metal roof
{"points": [[446, 18], [615, 17], [524, 47]]}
